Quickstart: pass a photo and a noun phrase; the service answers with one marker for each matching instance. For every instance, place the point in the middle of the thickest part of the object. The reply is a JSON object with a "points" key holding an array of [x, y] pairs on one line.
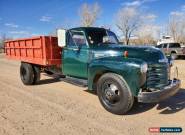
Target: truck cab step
{"points": [[75, 81]]}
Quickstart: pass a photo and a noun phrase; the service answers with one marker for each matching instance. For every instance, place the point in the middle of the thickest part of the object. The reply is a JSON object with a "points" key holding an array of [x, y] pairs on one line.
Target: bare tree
{"points": [[173, 24], [128, 19], [182, 38], [3, 38], [89, 14], [177, 26], [148, 34]]}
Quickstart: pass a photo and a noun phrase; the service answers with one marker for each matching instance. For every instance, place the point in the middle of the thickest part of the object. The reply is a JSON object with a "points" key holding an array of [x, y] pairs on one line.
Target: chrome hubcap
{"points": [[112, 93]]}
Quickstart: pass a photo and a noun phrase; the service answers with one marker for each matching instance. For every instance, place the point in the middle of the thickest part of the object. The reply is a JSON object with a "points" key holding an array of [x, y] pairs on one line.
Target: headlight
{"points": [[144, 68]]}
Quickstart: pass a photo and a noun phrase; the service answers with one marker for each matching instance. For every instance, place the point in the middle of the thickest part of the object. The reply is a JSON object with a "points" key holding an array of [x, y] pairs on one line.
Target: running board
{"points": [[75, 81]]}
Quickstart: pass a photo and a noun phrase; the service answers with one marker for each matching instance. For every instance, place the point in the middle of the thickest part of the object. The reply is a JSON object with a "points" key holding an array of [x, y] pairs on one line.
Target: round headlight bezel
{"points": [[144, 68]]}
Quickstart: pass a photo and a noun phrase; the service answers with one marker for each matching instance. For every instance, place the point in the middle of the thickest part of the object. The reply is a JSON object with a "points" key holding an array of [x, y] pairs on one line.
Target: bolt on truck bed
{"points": [[40, 50]]}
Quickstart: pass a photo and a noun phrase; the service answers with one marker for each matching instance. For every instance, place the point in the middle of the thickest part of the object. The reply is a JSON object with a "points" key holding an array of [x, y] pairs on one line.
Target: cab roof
{"points": [[87, 28]]}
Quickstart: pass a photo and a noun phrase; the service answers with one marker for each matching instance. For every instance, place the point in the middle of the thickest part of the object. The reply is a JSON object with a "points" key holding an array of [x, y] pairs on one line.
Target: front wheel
{"points": [[114, 93]]}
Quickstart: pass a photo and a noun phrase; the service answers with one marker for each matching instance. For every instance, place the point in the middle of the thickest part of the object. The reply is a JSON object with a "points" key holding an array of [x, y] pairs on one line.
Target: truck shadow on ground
{"points": [[173, 104], [140, 108], [52, 79], [48, 81], [169, 106]]}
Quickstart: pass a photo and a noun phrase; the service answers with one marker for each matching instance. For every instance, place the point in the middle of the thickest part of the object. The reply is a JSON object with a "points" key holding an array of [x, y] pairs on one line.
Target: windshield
{"points": [[101, 36]]}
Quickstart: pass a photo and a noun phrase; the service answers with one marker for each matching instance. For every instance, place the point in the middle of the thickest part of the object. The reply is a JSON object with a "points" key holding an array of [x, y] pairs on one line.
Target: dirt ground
{"points": [[57, 108]]}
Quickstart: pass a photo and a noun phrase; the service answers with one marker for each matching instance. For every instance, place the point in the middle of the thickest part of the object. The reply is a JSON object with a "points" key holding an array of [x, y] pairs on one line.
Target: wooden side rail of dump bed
{"points": [[40, 50]]}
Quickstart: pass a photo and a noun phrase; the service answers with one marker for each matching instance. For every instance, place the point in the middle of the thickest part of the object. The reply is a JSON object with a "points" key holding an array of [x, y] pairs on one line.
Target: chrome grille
{"points": [[157, 75]]}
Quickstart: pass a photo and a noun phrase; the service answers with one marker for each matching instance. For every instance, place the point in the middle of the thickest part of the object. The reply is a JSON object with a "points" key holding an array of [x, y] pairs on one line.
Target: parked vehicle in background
{"points": [[165, 39], [174, 49], [93, 57]]}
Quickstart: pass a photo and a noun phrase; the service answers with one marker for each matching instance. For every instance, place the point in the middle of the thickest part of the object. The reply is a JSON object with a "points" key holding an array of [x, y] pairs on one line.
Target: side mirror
{"points": [[61, 34]]}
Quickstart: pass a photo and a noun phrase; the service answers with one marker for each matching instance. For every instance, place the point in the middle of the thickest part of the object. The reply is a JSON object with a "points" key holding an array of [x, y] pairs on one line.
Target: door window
{"points": [[76, 39]]}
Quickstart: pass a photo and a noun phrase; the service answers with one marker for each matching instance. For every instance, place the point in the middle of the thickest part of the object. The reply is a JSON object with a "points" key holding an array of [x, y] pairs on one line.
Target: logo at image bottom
{"points": [[165, 129]]}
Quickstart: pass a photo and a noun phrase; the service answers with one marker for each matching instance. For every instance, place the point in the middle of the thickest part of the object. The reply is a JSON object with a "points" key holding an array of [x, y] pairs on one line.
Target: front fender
{"points": [[128, 68]]}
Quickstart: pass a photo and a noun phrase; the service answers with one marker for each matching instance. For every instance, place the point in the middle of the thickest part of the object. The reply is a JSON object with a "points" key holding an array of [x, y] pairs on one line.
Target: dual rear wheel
{"points": [[30, 74]]}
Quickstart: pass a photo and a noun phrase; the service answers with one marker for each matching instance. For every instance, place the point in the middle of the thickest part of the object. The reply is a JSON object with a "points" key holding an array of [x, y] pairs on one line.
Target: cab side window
{"points": [[70, 41], [174, 45], [76, 38]]}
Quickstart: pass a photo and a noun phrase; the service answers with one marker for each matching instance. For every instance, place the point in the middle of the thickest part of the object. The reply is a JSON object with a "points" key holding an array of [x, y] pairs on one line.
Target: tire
{"points": [[27, 73], [174, 55], [36, 70], [114, 94]]}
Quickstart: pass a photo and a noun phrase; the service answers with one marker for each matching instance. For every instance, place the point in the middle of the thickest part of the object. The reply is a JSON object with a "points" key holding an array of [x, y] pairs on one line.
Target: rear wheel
{"points": [[26, 73], [114, 93], [36, 70], [173, 55]]}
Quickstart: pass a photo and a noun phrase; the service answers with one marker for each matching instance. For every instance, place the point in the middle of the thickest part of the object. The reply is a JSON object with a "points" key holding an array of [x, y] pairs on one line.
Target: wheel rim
{"points": [[111, 93], [173, 56]]}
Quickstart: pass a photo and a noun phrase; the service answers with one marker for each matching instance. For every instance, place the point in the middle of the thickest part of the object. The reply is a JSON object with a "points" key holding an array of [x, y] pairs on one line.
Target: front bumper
{"points": [[159, 95]]}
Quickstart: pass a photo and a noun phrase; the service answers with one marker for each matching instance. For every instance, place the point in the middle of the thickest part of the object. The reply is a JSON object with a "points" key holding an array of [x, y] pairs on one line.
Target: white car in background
{"points": [[173, 48]]}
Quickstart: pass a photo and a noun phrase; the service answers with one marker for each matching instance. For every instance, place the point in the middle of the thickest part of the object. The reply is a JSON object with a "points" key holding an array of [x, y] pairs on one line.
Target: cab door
{"points": [[75, 55]]}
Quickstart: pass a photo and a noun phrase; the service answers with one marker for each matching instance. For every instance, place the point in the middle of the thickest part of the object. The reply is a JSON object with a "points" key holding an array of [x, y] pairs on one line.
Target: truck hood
{"points": [[145, 53]]}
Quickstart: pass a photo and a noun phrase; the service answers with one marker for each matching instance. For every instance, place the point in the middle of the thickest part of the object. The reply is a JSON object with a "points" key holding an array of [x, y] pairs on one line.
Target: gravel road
{"points": [[54, 107]]}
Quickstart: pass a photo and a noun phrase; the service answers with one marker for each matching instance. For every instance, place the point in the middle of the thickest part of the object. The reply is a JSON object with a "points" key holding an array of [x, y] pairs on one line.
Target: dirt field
{"points": [[58, 108]]}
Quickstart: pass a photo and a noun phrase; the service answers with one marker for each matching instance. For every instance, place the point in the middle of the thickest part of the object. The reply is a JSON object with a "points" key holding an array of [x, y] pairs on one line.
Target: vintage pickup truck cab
{"points": [[118, 73]]}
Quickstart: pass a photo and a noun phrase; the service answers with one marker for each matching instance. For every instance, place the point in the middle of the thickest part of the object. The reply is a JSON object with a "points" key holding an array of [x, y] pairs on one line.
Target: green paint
{"points": [[89, 60], [75, 62]]}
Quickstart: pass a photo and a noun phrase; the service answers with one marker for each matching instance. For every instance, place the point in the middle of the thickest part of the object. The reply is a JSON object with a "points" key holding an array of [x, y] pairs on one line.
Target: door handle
{"points": [[75, 49]]}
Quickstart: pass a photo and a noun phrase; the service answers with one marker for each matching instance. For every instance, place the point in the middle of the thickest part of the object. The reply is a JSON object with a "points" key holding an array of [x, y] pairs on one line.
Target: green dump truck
{"points": [[92, 57]]}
